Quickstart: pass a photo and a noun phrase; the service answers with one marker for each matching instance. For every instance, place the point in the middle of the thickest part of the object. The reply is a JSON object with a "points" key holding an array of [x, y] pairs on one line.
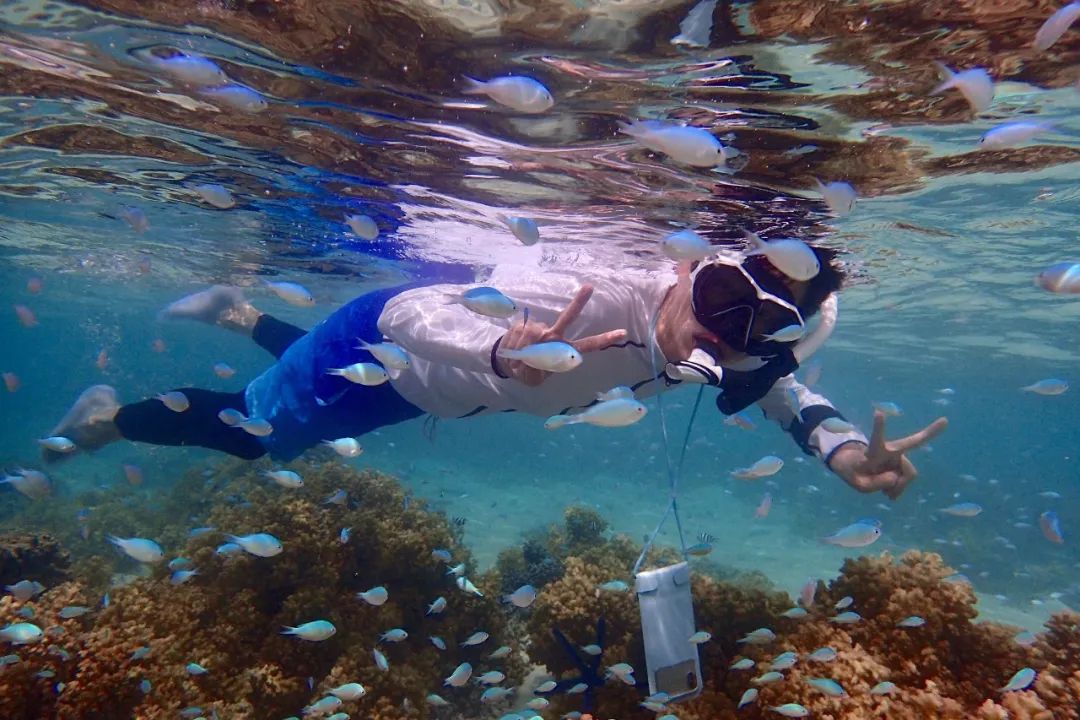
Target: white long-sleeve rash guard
{"points": [[451, 376]]}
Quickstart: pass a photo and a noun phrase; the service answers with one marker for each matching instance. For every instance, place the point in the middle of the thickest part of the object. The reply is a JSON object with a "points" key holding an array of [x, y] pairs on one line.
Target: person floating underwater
{"points": [[736, 321]]}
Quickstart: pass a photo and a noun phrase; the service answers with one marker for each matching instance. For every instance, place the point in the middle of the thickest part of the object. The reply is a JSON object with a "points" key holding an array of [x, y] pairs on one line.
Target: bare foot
{"points": [[219, 305], [89, 423]]}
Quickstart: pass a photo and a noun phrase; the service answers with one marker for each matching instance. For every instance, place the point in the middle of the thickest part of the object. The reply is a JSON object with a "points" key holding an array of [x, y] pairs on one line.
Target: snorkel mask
{"points": [[742, 310]]}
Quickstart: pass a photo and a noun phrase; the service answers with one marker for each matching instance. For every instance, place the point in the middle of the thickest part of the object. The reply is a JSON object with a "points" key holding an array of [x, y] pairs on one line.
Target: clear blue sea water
{"points": [[943, 246]]}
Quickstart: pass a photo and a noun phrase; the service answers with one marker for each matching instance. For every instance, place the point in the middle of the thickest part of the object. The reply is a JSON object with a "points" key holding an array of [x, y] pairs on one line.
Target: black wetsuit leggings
{"points": [[151, 422]]}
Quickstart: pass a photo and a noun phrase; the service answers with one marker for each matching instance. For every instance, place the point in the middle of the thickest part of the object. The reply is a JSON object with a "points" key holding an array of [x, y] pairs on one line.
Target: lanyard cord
{"points": [[673, 473]]}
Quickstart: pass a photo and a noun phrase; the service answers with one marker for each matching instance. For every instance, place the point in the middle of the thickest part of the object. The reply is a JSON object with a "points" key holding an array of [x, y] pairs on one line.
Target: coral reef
{"points": [[951, 667], [540, 559], [25, 556], [531, 564], [129, 659]]}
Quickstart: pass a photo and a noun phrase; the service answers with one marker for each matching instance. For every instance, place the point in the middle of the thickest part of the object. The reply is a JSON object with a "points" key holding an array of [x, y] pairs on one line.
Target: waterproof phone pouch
{"points": [[667, 622]]}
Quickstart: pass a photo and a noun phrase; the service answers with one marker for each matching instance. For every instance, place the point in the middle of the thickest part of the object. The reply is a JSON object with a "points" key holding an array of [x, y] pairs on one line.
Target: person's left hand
{"points": [[883, 465], [531, 332]]}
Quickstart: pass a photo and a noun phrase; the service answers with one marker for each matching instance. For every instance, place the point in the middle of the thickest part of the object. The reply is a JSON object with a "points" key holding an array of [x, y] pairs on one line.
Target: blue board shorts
{"points": [[305, 405]]}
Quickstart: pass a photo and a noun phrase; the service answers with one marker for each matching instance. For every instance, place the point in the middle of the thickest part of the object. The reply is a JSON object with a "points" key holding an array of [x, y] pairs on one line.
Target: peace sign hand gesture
{"points": [[532, 332], [883, 465]]}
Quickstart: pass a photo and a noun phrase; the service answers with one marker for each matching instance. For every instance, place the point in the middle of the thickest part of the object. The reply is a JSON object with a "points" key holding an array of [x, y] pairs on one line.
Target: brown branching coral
{"points": [[25, 556], [950, 668], [130, 659], [29, 688]]}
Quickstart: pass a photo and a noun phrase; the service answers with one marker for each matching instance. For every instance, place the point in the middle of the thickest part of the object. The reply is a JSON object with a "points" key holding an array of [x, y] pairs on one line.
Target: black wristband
{"points": [[494, 358]]}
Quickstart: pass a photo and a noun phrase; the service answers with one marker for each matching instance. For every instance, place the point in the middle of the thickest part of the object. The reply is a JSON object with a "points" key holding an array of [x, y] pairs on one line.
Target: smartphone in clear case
{"points": [[667, 622]]}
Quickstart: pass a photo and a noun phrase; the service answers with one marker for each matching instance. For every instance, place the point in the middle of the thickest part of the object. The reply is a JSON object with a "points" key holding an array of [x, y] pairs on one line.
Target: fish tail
{"points": [[627, 128], [949, 82], [555, 422], [288, 630], [473, 86], [757, 245], [509, 354], [451, 299], [335, 371]]}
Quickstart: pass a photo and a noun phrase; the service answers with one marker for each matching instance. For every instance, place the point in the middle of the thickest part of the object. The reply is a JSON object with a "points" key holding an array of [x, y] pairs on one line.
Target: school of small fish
{"points": [[681, 143]]}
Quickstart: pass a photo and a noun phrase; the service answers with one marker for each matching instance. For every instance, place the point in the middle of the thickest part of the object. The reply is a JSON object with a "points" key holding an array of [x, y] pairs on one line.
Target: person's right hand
{"points": [[883, 465], [532, 332]]}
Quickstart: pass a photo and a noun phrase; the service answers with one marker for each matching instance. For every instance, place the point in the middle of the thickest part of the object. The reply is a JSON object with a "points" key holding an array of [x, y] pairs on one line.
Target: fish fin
{"points": [[950, 79], [556, 421], [756, 244], [325, 403], [615, 393], [734, 161], [634, 129], [473, 86]]}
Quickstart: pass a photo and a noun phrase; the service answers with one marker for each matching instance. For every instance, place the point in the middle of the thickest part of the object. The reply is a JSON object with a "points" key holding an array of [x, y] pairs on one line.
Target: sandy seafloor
{"points": [[497, 520]]}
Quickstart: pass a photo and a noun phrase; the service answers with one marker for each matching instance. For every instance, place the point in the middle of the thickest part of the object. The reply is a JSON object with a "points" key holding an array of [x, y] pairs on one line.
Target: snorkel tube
{"points": [[811, 343]]}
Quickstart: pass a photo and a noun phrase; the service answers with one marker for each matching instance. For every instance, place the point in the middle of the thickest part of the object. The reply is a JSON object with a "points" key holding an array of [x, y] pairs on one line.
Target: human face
{"points": [[678, 332], [733, 305]]}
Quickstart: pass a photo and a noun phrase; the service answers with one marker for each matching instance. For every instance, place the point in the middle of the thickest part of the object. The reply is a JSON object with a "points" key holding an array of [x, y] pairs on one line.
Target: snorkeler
{"points": [[735, 323]]}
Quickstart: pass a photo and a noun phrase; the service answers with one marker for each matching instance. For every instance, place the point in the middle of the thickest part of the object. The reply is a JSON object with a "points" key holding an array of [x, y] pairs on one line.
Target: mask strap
{"points": [[762, 293]]}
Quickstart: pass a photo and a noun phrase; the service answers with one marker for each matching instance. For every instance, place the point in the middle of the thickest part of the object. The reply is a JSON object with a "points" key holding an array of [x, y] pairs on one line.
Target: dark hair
{"points": [[827, 281]]}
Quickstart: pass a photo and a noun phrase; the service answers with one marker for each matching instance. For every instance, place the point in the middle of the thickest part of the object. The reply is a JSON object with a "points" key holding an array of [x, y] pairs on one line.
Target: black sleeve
{"points": [[739, 390]]}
